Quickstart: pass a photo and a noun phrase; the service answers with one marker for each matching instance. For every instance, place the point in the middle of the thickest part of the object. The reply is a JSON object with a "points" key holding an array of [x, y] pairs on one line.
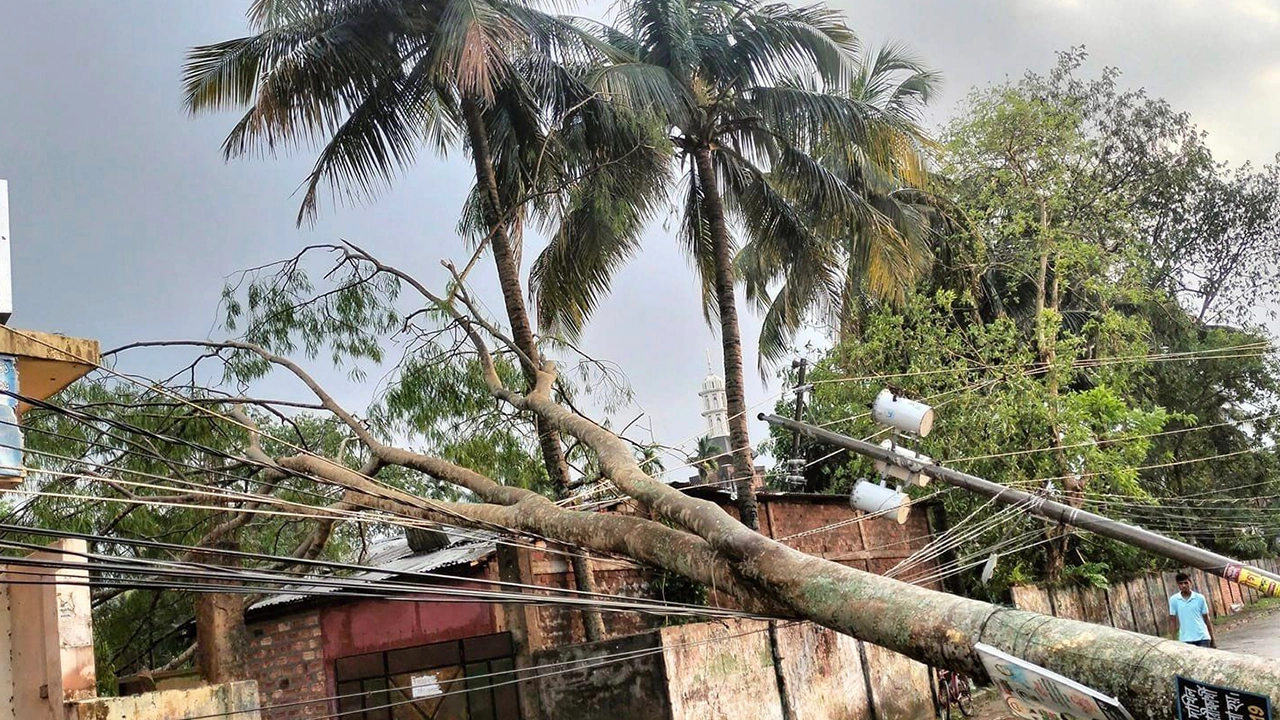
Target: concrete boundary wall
{"points": [[237, 700], [730, 670], [1140, 604]]}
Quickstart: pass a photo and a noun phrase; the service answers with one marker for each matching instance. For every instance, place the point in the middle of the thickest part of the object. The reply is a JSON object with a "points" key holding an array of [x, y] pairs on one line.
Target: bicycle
{"points": [[954, 691]]}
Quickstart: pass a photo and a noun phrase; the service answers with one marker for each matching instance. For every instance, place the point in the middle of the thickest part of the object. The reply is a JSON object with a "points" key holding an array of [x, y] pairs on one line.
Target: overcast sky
{"points": [[126, 221]]}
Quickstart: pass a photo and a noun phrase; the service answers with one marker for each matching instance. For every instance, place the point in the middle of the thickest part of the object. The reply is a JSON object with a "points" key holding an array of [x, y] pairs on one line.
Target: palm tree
{"points": [[706, 459], [741, 89], [875, 252], [372, 81]]}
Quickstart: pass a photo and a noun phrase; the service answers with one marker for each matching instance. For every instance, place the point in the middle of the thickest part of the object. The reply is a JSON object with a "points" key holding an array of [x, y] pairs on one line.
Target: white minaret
{"points": [[714, 404]]}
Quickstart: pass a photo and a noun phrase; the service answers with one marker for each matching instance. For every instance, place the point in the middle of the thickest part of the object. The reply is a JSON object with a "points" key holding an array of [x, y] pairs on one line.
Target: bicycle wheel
{"points": [[964, 698], [944, 699]]}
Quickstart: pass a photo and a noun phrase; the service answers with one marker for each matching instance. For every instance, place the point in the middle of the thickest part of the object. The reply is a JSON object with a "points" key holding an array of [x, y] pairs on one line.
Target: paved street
{"points": [[1259, 636], [1254, 635]]}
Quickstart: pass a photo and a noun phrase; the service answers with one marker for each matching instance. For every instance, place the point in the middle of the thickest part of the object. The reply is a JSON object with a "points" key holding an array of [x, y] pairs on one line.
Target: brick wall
{"points": [[285, 658], [874, 545], [563, 626]]}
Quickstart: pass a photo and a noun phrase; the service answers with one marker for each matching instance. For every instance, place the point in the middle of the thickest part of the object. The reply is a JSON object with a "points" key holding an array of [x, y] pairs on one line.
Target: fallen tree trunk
{"points": [[699, 540], [929, 626], [941, 629]]}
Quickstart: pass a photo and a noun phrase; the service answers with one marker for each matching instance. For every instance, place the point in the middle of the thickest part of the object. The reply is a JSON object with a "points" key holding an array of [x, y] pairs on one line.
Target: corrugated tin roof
{"points": [[391, 559]]}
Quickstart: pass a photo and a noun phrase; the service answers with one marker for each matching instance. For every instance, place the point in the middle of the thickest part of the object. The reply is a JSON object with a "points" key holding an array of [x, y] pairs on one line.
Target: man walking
{"points": [[1190, 614]]}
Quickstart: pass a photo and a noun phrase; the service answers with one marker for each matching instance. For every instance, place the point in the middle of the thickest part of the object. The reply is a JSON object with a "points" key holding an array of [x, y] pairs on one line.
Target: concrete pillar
{"points": [[222, 642], [516, 565], [7, 711], [51, 635]]}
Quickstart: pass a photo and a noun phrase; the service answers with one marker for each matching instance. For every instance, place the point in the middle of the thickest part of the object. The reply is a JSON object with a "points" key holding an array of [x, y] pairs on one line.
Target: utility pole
{"points": [[1264, 582], [795, 465], [801, 367]]}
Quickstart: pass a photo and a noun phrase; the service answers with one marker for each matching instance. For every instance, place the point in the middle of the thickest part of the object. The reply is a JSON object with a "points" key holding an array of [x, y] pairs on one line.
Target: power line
{"points": [[225, 494], [430, 505], [156, 386], [1039, 367], [406, 520], [251, 581], [1111, 441]]}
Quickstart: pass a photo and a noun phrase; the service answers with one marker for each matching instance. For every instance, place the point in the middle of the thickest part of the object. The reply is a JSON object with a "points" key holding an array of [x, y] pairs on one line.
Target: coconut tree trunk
{"points": [[731, 340], [507, 260]]}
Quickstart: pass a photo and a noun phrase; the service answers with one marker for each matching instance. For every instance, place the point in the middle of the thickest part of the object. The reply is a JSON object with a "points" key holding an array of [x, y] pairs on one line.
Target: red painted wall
{"points": [[375, 625]]}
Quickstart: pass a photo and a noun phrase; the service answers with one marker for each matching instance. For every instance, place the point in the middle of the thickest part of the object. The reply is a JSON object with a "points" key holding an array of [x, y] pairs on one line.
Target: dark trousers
{"points": [[1198, 643]]}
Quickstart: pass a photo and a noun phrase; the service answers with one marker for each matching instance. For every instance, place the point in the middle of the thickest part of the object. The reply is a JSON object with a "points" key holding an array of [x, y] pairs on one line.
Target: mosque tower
{"points": [[715, 407]]}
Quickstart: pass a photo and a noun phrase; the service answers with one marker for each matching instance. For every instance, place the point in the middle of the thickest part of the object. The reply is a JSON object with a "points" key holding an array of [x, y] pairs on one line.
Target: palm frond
{"points": [[778, 40], [302, 78], [664, 33], [894, 79], [267, 14], [613, 166], [783, 245], [642, 87], [380, 136], [807, 116], [785, 313], [575, 270], [472, 45]]}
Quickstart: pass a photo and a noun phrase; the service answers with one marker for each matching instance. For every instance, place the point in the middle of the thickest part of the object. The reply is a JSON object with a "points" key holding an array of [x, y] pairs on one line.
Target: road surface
{"points": [[1258, 635]]}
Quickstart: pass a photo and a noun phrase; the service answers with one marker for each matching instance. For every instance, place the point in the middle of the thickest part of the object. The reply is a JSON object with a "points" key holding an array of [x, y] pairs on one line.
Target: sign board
{"points": [[425, 686], [1202, 701], [10, 433], [1034, 693]]}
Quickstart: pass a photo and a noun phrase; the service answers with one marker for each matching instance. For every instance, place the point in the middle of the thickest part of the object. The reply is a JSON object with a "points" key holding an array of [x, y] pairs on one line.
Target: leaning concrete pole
{"points": [[942, 629], [1261, 580]]}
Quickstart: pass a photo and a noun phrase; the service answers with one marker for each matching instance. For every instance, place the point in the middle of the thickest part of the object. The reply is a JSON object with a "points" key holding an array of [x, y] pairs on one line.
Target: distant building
{"points": [[718, 449], [715, 409]]}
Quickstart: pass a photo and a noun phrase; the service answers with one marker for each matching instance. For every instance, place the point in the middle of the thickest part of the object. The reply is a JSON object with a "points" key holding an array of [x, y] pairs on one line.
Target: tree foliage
{"points": [[1092, 328]]}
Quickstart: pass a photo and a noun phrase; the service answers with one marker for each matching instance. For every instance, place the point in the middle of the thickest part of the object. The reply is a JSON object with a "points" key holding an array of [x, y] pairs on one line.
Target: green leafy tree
{"points": [[117, 461], [1092, 242], [994, 418]]}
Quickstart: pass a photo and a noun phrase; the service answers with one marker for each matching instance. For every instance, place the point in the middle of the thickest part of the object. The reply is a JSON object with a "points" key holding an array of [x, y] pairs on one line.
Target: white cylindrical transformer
{"points": [[888, 469], [872, 498], [905, 414]]}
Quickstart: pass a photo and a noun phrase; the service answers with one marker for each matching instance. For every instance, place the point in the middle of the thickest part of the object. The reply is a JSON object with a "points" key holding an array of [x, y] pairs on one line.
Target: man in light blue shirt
{"points": [[1190, 614]]}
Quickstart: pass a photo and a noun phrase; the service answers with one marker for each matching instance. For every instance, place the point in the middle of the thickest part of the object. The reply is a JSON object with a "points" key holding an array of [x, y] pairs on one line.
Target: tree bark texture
{"points": [[730, 340], [508, 264]]}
